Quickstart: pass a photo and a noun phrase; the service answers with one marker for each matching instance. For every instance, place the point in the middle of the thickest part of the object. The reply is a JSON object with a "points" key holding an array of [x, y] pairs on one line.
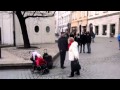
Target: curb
{"points": [[21, 65]]}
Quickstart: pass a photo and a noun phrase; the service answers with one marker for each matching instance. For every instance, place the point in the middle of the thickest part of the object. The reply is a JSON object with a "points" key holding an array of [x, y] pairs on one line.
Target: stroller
{"points": [[40, 65]]}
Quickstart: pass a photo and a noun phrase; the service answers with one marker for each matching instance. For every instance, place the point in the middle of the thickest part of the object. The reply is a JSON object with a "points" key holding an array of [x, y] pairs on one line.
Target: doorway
{"points": [[112, 30]]}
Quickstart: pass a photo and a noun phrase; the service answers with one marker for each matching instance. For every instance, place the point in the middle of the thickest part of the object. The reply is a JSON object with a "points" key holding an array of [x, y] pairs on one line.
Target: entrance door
{"points": [[96, 30], [112, 29], [84, 29]]}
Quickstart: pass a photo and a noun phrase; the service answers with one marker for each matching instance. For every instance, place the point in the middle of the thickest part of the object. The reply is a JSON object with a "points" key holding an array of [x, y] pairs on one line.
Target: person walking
{"points": [[93, 36], [63, 47], [118, 37], [88, 39], [73, 54], [83, 42]]}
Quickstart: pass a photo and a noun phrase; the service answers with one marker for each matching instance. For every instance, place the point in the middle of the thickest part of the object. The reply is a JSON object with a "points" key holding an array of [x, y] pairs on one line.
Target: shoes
{"points": [[63, 67], [70, 76], [77, 73], [88, 52]]}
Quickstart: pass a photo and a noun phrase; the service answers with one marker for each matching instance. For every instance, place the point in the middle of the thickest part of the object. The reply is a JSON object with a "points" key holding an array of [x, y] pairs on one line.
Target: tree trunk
{"points": [[24, 29]]}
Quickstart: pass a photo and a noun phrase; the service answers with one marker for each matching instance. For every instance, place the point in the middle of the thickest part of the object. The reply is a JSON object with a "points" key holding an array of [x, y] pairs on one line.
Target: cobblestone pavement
{"points": [[102, 63]]}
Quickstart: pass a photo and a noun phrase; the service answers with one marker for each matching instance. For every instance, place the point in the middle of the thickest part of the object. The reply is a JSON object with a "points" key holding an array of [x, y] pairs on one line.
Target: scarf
{"points": [[71, 41]]}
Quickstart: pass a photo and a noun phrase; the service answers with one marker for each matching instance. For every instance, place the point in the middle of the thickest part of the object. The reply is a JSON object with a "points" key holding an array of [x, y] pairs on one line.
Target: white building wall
{"points": [[42, 36], [6, 24], [63, 19], [107, 20]]}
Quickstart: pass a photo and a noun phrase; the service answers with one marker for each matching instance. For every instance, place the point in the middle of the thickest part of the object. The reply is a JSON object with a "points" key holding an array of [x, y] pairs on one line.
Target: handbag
{"points": [[76, 65]]}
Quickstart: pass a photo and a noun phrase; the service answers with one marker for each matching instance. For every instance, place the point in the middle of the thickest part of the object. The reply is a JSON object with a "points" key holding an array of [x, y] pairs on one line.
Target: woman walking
{"points": [[73, 54]]}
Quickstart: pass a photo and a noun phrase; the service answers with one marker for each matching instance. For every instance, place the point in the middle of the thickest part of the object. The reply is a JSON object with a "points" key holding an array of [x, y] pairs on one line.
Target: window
{"points": [[75, 15], [36, 29], [96, 12], [84, 28], [47, 29], [90, 13], [80, 14], [112, 29], [97, 30], [104, 29], [105, 11], [83, 13]]}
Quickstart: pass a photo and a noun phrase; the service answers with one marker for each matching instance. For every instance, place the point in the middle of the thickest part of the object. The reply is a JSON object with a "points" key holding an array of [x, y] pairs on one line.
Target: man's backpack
{"points": [[48, 59]]}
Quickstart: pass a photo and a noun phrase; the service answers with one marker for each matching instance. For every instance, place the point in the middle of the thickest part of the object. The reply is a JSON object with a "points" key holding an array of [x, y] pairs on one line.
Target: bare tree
{"points": [[23, 15]]}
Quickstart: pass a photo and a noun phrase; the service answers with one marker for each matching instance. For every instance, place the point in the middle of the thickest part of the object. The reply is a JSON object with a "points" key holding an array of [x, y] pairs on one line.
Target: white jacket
{"points": [[35, 53], [73, 51]]}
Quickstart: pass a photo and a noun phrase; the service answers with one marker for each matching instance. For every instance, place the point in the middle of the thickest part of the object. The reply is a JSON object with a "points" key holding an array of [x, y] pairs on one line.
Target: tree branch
{"points": [[32, 16], [24, 13], [34, 13]]}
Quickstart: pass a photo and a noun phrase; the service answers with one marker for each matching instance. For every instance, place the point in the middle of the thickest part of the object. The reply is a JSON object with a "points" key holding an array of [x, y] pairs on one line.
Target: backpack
{"points": [[48, 59]]}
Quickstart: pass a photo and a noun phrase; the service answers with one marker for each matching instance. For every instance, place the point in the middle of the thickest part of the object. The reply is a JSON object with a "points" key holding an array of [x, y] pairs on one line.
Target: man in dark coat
{"points": [[88, 42], [83, 42], [63, 47]]}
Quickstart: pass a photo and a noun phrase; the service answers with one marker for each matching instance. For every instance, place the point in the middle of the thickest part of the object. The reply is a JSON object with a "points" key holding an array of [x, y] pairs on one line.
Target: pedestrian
{"points": [[93, 36], [78, 40], [88, 39], [73, 54], [83, 42], [118, 37], [63, 47]]}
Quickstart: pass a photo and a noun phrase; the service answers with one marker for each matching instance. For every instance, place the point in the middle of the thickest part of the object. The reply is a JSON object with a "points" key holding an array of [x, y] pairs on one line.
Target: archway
{"points": [[91, 27]]}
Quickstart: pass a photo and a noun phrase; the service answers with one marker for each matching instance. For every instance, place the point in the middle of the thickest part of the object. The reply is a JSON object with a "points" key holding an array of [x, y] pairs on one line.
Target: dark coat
{"points": [[63, 44], [88, 38], [83, 39]]}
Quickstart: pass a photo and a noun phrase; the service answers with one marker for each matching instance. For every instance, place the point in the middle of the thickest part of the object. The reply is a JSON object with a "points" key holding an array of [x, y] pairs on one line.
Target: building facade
{"points": [[6, 25], [40, 30], [64, 19], [104, 23], [79, 21]]}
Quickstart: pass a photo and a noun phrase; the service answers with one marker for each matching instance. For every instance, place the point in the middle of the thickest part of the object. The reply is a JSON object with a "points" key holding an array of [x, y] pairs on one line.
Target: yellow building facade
{"points": [[79, 21]]}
